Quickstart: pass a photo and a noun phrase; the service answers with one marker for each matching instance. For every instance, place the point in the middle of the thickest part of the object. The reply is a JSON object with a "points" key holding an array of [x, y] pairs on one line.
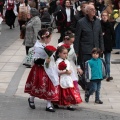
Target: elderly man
{"points": [[88, 35]]}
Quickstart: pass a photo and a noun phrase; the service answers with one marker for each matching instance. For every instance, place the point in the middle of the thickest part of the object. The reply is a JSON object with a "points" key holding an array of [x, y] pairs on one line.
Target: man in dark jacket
{"points": [[88, 35], [80, 14]]}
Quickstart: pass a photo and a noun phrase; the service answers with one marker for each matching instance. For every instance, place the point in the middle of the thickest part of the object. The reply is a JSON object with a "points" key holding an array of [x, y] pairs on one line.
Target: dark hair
{"points": [[82, 3], [64, 2], [59, 50], [96, 50], [44, 33], [68, 35]]}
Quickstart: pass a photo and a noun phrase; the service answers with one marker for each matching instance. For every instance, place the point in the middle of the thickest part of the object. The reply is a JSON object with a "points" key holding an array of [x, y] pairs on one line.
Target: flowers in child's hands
{"points": [[62, 65], [49, 49]]}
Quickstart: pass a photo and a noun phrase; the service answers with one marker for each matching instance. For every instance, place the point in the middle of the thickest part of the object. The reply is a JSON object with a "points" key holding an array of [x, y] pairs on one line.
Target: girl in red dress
{"points": [[43, 82], [68, 93]]}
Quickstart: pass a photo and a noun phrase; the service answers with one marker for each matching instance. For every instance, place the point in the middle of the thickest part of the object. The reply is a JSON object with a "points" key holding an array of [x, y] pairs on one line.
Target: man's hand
{"points": [[80, 71]]}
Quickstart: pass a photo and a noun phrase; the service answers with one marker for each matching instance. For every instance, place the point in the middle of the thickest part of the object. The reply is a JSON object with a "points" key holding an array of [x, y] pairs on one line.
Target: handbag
{"points": [[81, 81]]}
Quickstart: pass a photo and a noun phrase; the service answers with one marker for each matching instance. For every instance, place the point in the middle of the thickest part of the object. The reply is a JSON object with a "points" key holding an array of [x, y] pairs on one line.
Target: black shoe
{"points": [[86, 97], [98, 101], [109, 78], [50, 109], [27, 65], [117, 52], [55, 106], [31, 104], [70, 108]]}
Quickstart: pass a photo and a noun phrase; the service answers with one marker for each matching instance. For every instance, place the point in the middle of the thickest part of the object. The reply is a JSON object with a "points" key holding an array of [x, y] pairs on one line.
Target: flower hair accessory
{"points": [[46, 34], [67, 37]]}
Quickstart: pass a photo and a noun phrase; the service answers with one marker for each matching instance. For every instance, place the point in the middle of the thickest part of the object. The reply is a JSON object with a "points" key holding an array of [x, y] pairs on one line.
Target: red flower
{"points": [[62, 66], [49, 49], [66, 46]]}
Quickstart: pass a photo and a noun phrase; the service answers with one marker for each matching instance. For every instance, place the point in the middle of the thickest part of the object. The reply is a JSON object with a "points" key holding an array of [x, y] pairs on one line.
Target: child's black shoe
{"points": [[31, 104], [98, 101]]}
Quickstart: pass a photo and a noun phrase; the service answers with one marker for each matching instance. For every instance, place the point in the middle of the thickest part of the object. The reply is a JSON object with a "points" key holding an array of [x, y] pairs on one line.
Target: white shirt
{"points": [[68, 14]]}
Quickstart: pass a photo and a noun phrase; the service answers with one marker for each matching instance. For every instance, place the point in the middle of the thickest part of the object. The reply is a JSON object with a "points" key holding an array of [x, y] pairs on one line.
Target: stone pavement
{"points": [[13, 100]]}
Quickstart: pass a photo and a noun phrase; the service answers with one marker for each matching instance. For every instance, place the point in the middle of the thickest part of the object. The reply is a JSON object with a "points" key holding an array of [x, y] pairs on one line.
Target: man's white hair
{"points": [[87, 8]]}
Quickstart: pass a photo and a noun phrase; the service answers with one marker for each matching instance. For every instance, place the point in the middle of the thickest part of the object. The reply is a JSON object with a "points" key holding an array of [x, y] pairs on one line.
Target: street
{"points": [[14, 102]]}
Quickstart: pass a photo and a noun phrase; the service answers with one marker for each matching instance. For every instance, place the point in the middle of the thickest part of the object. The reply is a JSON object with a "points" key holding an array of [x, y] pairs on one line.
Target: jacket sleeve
{"points": [[36, 28], [78, 32], [104, 72], [101, 42], [87, 72], [113, 36]]}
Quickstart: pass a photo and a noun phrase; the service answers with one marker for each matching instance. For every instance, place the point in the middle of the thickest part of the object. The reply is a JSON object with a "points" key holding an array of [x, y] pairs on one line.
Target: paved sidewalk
{"points": [[13, 76]]}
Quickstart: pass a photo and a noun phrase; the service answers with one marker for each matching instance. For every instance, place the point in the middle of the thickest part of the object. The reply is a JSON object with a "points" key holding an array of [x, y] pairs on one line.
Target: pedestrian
{"points": [[88, 34], [22, 10], [79, 15], [68, 94], [95, 72], [109, 41], [32, 28], [68, 40], [9, 14], [43, 82], [68, 13]]}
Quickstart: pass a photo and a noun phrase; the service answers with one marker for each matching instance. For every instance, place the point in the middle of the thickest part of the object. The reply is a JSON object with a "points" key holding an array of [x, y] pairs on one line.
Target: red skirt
{"points": [[69, 96], [39, 85]]}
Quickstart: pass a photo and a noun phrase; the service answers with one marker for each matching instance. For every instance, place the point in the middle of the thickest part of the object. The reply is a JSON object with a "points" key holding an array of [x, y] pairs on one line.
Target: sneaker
{"points": [[86, 97], [50, 109], [98, 101]]}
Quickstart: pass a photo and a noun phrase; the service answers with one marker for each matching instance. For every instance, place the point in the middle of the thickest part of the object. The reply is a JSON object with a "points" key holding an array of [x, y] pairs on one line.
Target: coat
{"points": [[32, 28], [95, 69], [108, 36], [88, 35]]}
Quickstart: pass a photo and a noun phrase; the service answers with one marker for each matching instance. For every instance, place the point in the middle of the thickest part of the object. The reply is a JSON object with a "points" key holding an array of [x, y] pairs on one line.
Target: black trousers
{"points": [[27, 49], [21, 23]]}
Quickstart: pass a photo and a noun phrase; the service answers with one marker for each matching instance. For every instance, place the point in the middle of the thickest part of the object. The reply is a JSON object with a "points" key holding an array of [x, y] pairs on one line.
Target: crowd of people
{"points": [[88, 33]]}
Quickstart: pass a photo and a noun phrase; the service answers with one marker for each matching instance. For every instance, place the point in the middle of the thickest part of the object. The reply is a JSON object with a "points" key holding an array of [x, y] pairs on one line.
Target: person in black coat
{"points": [[109, 41], [88, 34], [68, 12], [79, 14]]}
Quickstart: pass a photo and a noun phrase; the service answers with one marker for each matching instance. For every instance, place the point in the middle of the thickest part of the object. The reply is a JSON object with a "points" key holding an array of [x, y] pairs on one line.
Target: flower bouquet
{"points": [[49, 49], [115, 14], [62, 65]]}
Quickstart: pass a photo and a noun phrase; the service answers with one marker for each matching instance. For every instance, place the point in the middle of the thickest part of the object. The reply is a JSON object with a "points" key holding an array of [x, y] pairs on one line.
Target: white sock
{"points": [[49, 104], [32, 98]]}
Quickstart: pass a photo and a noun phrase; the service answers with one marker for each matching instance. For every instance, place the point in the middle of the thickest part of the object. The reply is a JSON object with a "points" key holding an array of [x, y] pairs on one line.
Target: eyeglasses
{"points": [[92, 9]]}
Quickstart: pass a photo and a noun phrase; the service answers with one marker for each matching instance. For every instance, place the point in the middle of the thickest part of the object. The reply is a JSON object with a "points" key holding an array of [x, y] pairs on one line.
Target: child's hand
{"points": [[80, 71], [48, 60], [68, 72]]}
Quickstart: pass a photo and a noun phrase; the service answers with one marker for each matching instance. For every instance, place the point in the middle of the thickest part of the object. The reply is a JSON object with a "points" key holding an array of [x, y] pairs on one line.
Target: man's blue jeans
{"points": [[107, 56], [95, 87]]}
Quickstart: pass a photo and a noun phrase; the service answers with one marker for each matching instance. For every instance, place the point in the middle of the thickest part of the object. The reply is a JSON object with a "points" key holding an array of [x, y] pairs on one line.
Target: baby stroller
{"points": [[49, 25]]}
